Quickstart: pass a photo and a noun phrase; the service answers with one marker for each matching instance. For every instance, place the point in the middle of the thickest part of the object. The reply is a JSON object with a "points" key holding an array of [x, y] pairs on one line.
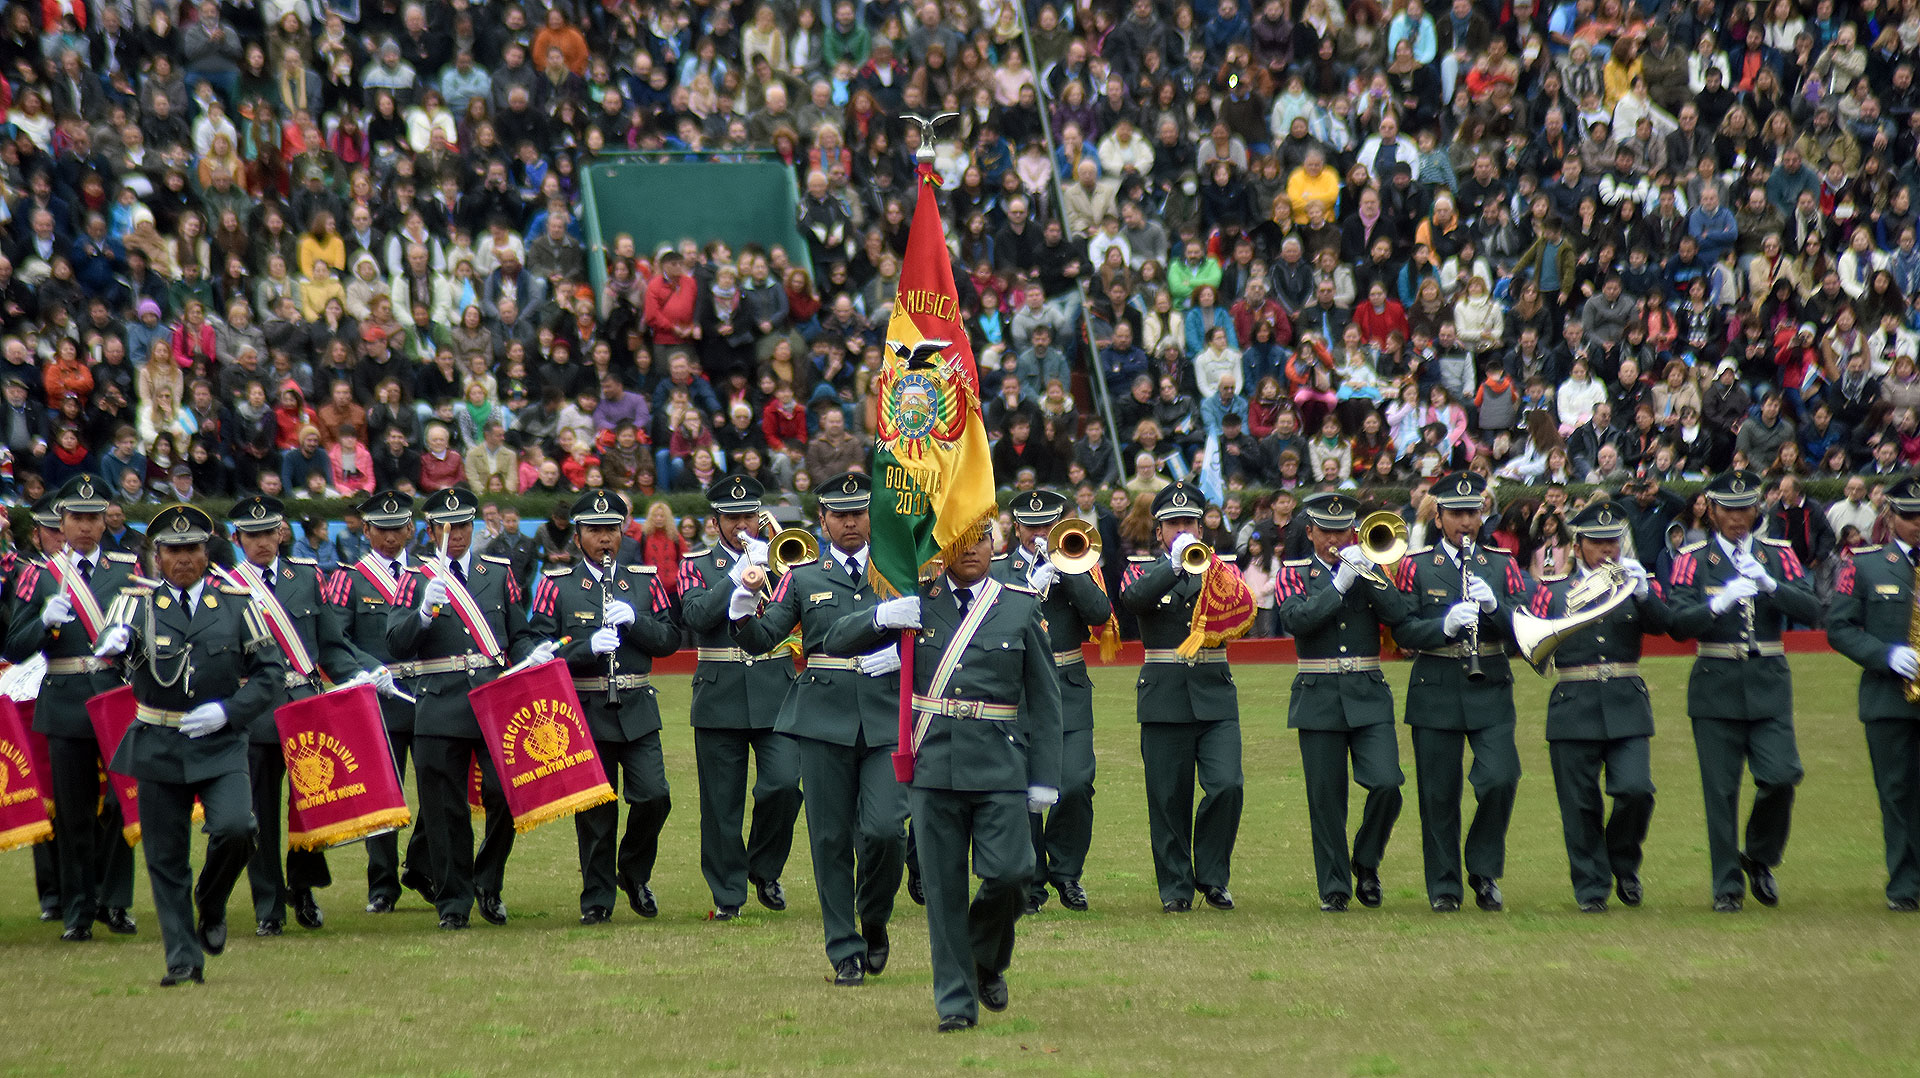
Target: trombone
{"points": [[1073, 546], [1383, 540], [785, 548]]}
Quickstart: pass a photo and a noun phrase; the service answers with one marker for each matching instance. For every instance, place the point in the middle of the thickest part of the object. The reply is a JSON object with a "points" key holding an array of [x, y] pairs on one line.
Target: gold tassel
{"points": [[566, 806], [1108, 637], [348, 830], [28, 835]]}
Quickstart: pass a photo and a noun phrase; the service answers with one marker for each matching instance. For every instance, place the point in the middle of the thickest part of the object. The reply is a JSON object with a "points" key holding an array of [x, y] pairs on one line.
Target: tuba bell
{"points": [[1593, 598], [1073, 546], [790, 547]]}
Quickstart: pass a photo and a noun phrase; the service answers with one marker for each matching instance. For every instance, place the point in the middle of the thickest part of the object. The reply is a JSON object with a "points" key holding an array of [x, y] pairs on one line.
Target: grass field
{"points": [[1822, 985]]}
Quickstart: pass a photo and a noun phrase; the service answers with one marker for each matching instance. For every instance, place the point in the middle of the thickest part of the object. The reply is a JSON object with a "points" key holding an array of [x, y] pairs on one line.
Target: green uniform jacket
{"points": [[234, 662], [1162, 598], [1328, 625], [833, 706], [1074, 608], [1613, 708], [322, 629], [1439, 694], [443, 710], [363, 615], [62, 710], [1737, 688], [1871, 614], [567, 603], [727, 695], [1008, 661]]}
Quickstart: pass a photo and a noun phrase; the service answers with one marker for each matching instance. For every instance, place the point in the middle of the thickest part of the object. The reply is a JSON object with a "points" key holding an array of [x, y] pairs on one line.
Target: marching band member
{"points": [[1074, 605], [460, 618], [1734, 595], [61, 613], [617, 621], [1333, 604], [1871, 622], [1461, 693], [987, 733], [204, 670], [736, 698], [843, 714], [47, 542], [1599, 713]]}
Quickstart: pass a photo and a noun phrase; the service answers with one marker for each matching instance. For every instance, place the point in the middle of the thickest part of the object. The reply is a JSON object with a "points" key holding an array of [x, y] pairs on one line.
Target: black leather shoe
{"points": [[453, 922], [183, 975], [493, 908], [1178, 905], [1072, 895], [1219, 898], [1760, 881], [306, 911], [269, 927], [918, 892], [850, 973], [596, 915], [1034, 902], [1445, 904], [724, 913], [640, 898], [1333, 903], [382, 904], [1486, 893], [1728, 903], [879, 948], [956, 1023], [1902, 905], [1628, 888], [1366, 886], [77, 935], [118, 921], [771, 895], [49, 915], [416, 881], [213, 935], [993, 990], [1594, 905]]}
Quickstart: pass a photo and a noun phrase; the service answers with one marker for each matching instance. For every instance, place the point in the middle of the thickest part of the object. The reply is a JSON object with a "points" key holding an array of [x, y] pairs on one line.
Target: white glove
{"points": [[113, 641], [879, 663], [1637, 573], [1461, 616], [1353, 565], [1180, 544], [1736, 590], [58, 611], [1749, 567], [382, 681], [1041, 798], [901, 613], [616, 612], [204, 720], [542, 653], [1904, 661], [1042, 576], [433, 596], [605, 640], [1479, 591], [742, 604], [756, 552]]}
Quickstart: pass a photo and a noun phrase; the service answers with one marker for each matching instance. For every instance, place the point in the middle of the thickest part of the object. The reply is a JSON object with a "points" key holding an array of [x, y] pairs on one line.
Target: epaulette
{"points": [[633, 569], [123, 557], [1859, 550], [302, 561], [1000, 557], [1295, 563], [1228, 559], [794, 564], [137, 589], [562, 571], [1141, 558], [234, 589], [146, 582], [1497, 549], [1691, 547], [1417, 551], [1021, 588], [1554, 578], [496, 559], [1775, 542]]}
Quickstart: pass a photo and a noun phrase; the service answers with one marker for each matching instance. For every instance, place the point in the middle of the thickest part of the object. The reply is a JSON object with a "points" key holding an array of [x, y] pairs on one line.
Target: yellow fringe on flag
{"points": [[348, 830], [566, 806], [1223, 611], [1108, 637], [28, 835]]}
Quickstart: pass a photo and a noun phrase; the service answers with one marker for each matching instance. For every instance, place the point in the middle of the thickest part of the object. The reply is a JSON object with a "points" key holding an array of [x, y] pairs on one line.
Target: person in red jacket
{"points": [[672, 306], [290, 415], [1380, 317], [783, 421]]}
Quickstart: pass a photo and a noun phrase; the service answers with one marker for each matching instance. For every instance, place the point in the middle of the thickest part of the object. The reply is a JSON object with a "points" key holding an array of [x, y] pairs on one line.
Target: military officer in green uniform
{"points": [[459, 620], [1461, 693], [617, 618], [291, 590], [1333, 604], [47, 541], [1189, 715], [843, 714], [987, 753], [1075, 607], [1732, 594], [364, 592], [204, 669], [1871, 622], [60, 606], [737, 696], [1598, 711]]}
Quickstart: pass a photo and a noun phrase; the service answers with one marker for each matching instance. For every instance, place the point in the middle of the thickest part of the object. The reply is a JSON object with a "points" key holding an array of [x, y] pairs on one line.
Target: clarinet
{"points": [[1474, 673], [613, 657]]}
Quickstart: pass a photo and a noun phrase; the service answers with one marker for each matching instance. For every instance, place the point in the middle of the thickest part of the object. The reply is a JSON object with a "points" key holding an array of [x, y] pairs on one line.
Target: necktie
{"points": [[1913, 556], [86, 570], [853, 570], [267, 576], [963, 596], [394, 568], [459, 573], [186, 604]]}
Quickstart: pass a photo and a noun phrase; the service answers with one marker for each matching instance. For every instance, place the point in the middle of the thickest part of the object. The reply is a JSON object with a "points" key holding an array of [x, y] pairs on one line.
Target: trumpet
{"points": [[1197, 558], [1073, 546], [789, 548], [1383, 540], [756, 578]]}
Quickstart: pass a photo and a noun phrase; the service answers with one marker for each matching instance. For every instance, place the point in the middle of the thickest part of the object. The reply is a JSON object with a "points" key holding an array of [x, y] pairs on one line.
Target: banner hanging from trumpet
{"points": [[1224, 609]]}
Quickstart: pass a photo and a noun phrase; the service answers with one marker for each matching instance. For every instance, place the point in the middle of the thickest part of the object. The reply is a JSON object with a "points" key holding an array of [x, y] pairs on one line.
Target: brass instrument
{"points": [[1474, 673], [1197, 558], [756, 578], [1383, 540], [1593, 598], [1912, 687], [790, 547], [1073, 546], [613, 657]]}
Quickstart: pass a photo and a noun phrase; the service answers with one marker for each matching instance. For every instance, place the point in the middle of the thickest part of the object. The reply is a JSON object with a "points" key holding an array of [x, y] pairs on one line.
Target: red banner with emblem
{"points": [[345, 784], [1222, 611], [112, 713], [537, 735], [42, 752], [24, 790]]}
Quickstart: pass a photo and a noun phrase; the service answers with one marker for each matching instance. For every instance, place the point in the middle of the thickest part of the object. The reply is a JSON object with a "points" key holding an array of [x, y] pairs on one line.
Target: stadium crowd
{"points": [[323, 249]]}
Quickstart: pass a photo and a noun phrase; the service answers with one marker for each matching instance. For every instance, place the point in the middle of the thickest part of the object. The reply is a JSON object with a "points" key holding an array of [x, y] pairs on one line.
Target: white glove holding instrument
{"points": [[755, 551], [1461, 616], [1749, 567], [879, 663], [204, 720], [1637, 573], [901, 613], [113, 642], [742, 603], [1730, 595], [1180, 544], [382, 681], [605, 640], [57, 612], [1042, 576], [542, 653], [616, 612], [1041, 798], [1353, 565], [1904, 661], [1479, 591], [432, 597]]}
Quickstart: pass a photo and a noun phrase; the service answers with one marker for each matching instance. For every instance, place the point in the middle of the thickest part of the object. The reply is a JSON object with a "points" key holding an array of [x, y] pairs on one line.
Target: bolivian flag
{"points": [[932, 472]]}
